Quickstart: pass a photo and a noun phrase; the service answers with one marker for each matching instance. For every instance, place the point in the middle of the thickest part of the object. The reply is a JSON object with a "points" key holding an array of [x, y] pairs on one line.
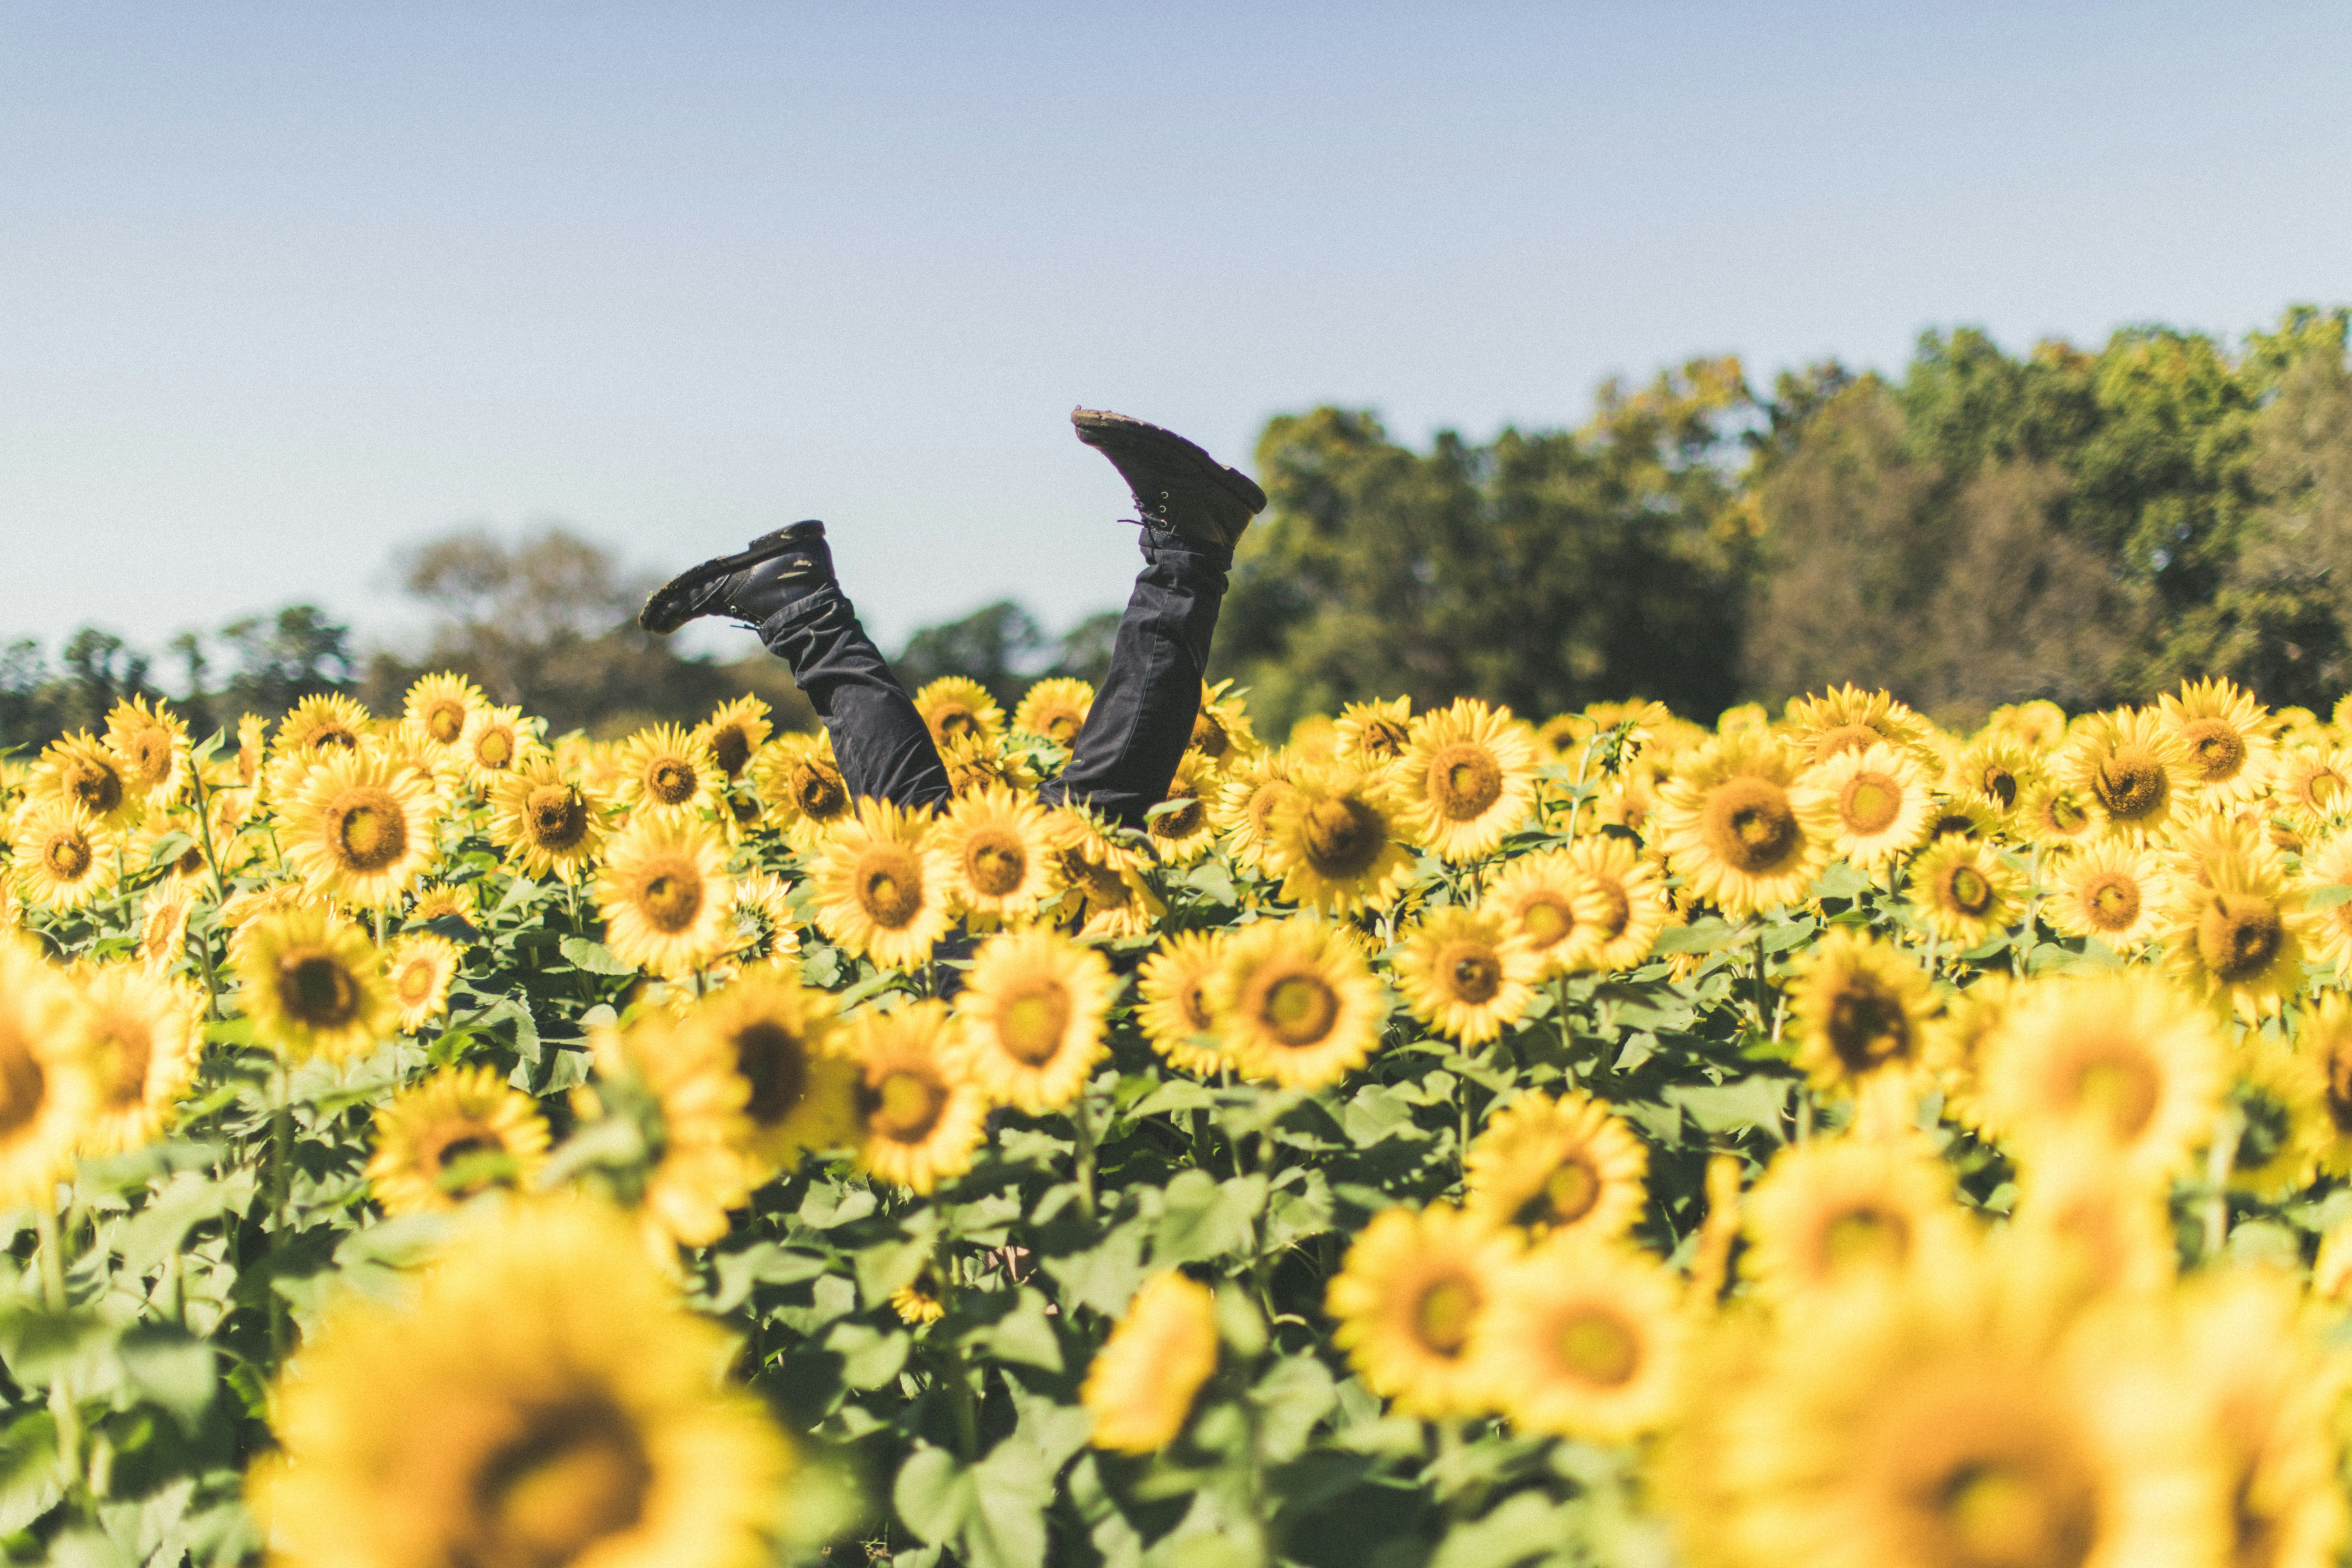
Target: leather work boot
{"points": [[774, 572], [1177, 486]]}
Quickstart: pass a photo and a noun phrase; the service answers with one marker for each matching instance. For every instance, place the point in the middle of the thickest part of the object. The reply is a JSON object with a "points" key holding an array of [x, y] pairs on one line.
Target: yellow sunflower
{"points": [[1997, 769], [1180, 828], [1564, 1167], [140, 1035], [1141, 1386], [665, 898], [163, 927], [1055, 709], [1369, 736], [545, 822], [779, 1033], [2316, 782], [314, 985], [956, 707], [358, 831], [1833, 1210], [547, 1400], [315, 728], [2324, 1039], [1104, 888], [47, 1089], [882, 887], [2238, 940], [1333, 841], [1314, 738], [2223, 732], [1633, 897], [1952, 1420], [497, 739], [1465, 972], [1553, 907], [999, 856], [151, 744], [1581, 1341], [764, 914], [974, 763], [1731, 830], [2039, 725], [1407, 1300], [462, 1131], [2096, 1234], [2114, 890], [419, 970], [734, 733], [440, 707], [1032, 1011], [799, 784], [1956, 1041], [1869, 804], [685, 1081], [442, 902], [2128, 767], [920, 1118], [2055, 816], [666, 771], [80, 771], [1220, 726], [1173, 1012], [1467, 778], [2281, 1099], [1964, 891], [1246, 803], [1850, 718], [1297, 1003], [64, 859], [2122, 1062], [1860, 1010]]}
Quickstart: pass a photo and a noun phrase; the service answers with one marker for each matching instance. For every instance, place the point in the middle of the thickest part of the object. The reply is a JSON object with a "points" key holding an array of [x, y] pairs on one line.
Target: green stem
{"points": [[281, 1183], [2219, 1163], [63, 1412], [52, 1256], [1082, 1114]]}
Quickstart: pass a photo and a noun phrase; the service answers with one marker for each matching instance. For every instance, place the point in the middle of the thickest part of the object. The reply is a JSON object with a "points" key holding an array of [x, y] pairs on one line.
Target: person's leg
{"points": [[1142, 718], [783, 587], [1192, 509]]}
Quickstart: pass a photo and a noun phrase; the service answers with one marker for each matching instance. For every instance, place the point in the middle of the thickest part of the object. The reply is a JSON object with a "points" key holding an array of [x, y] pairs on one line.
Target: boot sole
{"points": [[1104, 430], [666, 606]]}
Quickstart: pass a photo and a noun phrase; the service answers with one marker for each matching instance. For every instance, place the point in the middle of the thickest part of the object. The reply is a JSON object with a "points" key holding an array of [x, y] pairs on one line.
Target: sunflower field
{"points": [[1439, 1141]]}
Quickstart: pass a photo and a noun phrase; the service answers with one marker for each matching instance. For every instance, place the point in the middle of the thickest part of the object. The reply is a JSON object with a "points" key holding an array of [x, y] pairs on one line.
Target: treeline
{"points": [[2086, 526]]}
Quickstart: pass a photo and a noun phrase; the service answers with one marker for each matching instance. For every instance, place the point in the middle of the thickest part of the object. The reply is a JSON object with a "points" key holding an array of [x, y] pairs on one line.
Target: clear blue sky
{"points": [[283, 286]]}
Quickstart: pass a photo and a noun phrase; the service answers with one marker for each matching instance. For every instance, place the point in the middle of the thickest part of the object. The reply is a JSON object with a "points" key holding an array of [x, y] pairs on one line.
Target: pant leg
{"points": [[1142, 718], [882, 744]]}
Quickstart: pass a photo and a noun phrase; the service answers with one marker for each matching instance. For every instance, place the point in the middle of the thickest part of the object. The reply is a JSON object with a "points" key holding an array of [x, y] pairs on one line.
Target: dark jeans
{"points": [[1137, 731]]}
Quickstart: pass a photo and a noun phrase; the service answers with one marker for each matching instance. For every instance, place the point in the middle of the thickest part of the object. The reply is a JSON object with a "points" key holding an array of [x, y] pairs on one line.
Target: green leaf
{"points": [[595, 957], [1526, 1525], [2328, 896], [1106, 1276], [168, 1365], [1741, 1105], [1700, 936], [1025, 1334], [1202, 1219], [869, 1357], [30, 1480], [889, 1266], [932, 1495]]}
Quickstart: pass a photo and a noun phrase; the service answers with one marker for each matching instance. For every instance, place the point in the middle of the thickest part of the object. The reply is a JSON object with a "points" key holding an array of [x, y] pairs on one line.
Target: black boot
{"points": [[775, 571], [1177, 486]]}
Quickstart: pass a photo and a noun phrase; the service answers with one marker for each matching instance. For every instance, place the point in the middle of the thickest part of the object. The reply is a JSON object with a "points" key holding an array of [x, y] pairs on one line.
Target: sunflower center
{"points": [[577, 1475], [818, 791], [414, 983], [1265, 798], [1869, 803], [730, 748], [125, 1052], [1595, 1346], [2001, 1514], [2119, 1090], [2339, 1091], [191, 861], [1998, 783], [1062, 723], [317, 990], [2216, 750], [995, 861], [1180, 823], [2321, 787], [1867, 1025], [558, 816], [1343, 837], [2063, 817], [451, 1145], [2238, 935], [23, 1087], [496, 749], [1866, 1237], [1471, 972], [1545, 919], [2131, 783], [1442, 1315], [1844, 738], [1463, 782], [67, 856], [1031, 1025], [671, 781], [1616, 909], [96, 787], [1568, 1194], [773, 1061], [1297, 1009], [1194, 999], [670, 895], [905, 1106], [368, 829], [1747, 824], [2111, 900], [1968, 891], [890, 885], [445, 721], [955, 720], [1382, 739], [151, 756], [1209, 737]]}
